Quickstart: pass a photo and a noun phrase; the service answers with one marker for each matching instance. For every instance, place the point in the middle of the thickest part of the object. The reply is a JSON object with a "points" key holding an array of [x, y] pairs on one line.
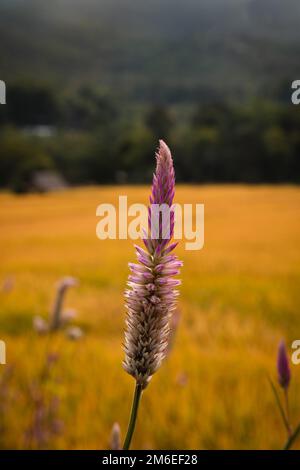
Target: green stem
{"points": [[133, 415], [290, 431], [280, 407], [292, 438]]}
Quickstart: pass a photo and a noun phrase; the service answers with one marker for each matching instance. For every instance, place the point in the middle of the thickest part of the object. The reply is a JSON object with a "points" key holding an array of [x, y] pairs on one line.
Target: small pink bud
{"points": [[283, 367]]}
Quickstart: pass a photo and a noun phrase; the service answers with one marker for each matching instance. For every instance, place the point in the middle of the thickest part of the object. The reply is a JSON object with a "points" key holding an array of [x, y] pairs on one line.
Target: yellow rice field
{"points": [[240, 295]]}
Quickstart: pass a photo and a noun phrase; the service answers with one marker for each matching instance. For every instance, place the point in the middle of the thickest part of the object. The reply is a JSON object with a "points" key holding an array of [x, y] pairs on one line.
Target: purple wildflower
{"points": [[151, 297], [283, 367]]}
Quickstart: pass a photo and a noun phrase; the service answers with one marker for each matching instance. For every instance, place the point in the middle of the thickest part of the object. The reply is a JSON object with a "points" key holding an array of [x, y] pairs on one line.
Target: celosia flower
{"points": [[283, 367], [115, 437], [151, 296], [62, 287]]}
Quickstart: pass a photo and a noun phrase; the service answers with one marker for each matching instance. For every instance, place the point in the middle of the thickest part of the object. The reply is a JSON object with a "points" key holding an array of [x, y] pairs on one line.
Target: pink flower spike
{"points": [[151, 297]]}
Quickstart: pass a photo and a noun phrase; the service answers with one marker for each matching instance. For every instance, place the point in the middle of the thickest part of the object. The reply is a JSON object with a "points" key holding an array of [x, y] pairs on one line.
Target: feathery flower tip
{"points": [[283, 367], [151, 296]]}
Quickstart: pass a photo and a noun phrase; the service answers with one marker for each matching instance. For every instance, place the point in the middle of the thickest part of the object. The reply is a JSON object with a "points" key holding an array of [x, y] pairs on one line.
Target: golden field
{"points": [[240, 295]]}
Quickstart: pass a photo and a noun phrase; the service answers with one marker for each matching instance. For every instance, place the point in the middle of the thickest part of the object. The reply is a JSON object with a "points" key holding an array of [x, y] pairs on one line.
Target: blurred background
{"points": [[91, 86]]}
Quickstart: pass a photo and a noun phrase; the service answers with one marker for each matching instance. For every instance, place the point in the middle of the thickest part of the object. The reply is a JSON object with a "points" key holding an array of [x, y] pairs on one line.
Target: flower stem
{"points": [[280, 407], [292, 438], [133, 416], [287, 411]]}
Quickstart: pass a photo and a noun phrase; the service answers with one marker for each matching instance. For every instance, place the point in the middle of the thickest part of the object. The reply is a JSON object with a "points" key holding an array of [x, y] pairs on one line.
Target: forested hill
{"points": [[169, 50]]}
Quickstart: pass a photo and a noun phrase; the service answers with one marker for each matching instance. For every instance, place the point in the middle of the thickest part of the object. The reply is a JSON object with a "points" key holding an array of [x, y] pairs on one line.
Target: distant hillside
{"points": [[155, 49]]}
